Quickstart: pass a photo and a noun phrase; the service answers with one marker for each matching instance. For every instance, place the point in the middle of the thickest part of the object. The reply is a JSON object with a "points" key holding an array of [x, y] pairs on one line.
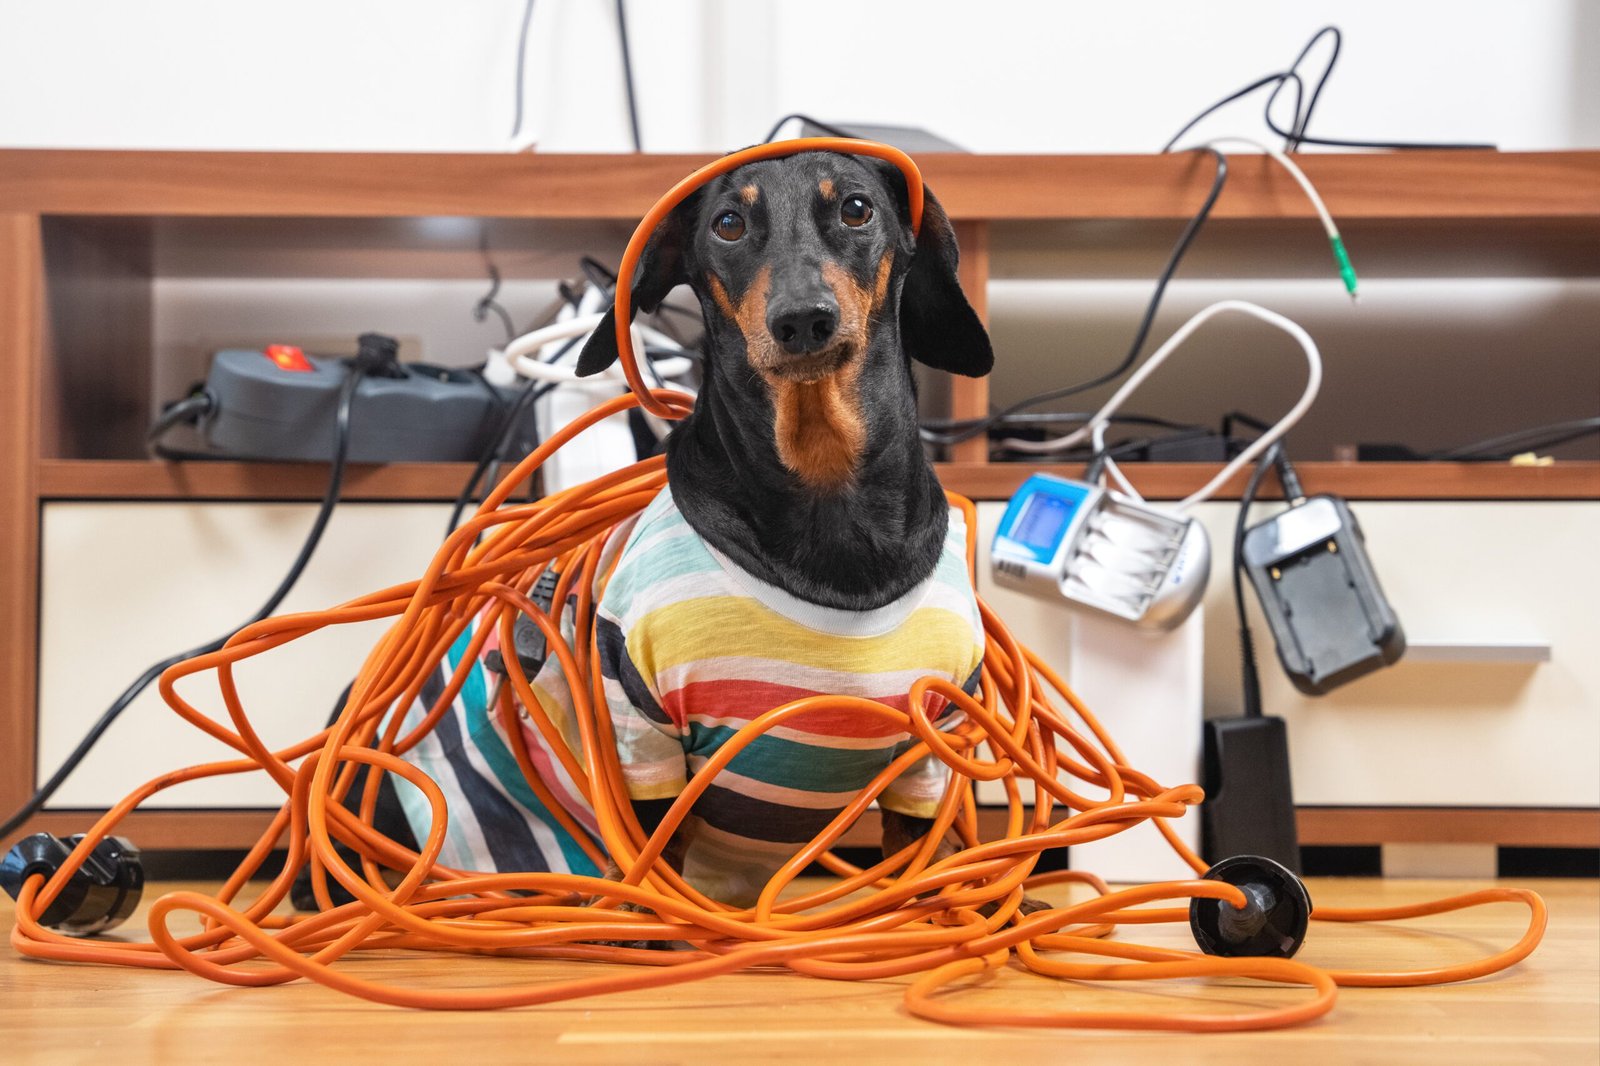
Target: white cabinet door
{"points": [[1476, 581], [126, 584]]}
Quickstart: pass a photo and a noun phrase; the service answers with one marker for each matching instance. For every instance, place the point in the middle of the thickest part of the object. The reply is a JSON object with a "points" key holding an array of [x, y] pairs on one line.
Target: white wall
{"points": [[1006, 75]]}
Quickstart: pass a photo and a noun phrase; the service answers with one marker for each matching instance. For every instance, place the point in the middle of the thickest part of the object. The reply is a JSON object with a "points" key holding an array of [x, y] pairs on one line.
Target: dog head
{"points": [[815, 293]]}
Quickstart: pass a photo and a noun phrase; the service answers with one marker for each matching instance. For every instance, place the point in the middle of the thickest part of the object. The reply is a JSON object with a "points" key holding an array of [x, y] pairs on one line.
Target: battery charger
{"points": [[1320, 594]]}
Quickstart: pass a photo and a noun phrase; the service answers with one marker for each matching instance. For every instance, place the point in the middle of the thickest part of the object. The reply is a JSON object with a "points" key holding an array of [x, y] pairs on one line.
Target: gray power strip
{"points": [[282, 406]]}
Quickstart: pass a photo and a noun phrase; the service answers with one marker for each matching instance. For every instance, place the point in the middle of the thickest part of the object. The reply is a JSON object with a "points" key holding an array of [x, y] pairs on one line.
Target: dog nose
{"points": [[804, 330]]}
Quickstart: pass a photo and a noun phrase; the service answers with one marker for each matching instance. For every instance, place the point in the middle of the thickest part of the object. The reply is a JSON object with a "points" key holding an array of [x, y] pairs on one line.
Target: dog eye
{"points": [[855, 211], [729, 226]]}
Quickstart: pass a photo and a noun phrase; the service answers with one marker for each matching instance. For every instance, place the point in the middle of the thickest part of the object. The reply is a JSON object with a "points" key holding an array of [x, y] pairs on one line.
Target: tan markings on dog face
{"points": [[817, 422], [856, 302], [749, 194], [825, 186], [880, 285], [750, 315]]}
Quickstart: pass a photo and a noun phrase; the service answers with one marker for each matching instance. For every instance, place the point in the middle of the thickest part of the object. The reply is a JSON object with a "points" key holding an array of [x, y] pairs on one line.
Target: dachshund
{"points": [[803, 545]]}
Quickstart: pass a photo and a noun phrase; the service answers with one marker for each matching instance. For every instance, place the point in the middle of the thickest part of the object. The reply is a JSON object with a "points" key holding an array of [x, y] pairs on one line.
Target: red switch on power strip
{"points": [[288, 357]]}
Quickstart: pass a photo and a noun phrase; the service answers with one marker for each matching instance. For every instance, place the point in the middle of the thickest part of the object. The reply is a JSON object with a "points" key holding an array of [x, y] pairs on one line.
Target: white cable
{"points": [[1295, 172], [520, 352], [1111, 468], [1259, 445], [1341, 256]]}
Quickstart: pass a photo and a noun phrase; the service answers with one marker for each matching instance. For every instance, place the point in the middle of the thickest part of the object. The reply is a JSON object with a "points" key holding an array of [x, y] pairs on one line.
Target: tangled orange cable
{"points": [[942, 919]]}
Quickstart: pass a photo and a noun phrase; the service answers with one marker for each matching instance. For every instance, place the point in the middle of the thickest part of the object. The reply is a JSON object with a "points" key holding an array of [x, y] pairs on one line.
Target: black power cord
{"points": [[831, 131], [522, 60], [1507, 445], [192, 408], [494, 451], [627, 76], [1249, 675], [945, 431], [489, 301], [330, 498], [1296, 135]]}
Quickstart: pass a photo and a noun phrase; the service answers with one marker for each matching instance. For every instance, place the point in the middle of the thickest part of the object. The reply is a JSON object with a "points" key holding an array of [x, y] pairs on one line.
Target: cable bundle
{"points": [[943, 919]]}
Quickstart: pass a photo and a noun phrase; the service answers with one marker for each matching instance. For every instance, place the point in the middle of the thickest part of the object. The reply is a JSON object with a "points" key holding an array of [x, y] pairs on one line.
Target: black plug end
{"points": [[378, 356], [1292, 490], [101, 893], [1272, 922]]}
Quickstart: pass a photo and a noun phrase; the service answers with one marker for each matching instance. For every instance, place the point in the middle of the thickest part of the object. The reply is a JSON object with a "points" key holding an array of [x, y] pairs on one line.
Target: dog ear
{"points": [[661, 269], [937, 324]]}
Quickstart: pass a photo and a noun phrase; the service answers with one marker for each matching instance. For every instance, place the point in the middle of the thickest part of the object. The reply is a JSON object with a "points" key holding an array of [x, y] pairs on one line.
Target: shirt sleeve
{"points": [[917, 791], [649, 744]]}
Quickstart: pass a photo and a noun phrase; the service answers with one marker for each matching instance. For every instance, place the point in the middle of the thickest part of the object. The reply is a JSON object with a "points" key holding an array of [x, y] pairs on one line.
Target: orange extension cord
{"points": [[944, 920]]}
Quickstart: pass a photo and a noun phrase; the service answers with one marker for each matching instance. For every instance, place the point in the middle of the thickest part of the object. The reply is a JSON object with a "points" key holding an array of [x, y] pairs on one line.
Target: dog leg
{"points": [[649, 813]]}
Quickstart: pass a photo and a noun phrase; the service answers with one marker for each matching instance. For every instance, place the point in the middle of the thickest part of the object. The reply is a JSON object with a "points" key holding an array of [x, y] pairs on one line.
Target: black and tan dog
{"points": [[808, 500], [801, 461]]}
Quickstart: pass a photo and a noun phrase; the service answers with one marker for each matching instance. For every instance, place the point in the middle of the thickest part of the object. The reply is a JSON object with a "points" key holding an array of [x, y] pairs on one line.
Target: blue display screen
{"points": [[1041, 522]]}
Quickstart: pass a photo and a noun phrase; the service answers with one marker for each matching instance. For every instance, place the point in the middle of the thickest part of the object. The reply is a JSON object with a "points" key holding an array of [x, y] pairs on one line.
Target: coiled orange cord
{"points": [[945, 920], [913, 913]]}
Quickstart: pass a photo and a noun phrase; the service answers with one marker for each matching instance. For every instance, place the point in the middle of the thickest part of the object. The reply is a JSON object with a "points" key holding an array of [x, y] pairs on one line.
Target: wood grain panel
{"points": [[21, 311], [1515, 827], [1577, 480], [1534, 827], [1540, 1011], [137, 479], [174, 830], [1461, 185], [1521, 827]]}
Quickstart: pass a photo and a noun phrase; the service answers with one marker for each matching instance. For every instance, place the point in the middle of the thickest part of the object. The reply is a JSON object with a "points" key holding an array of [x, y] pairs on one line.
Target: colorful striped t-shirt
{"points": [[692, 648]]}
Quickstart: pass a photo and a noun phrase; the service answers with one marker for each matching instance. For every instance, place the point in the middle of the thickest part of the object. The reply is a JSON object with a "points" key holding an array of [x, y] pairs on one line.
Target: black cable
{"points": [[1296, 135], [1303, 118], [627, 76], [954, 432], [598, 274], [831, 131], [494, 448], [330, 498], [1496, 448], [191, 408], [488, 302], [1041, 418], [522, 59], [1249, 675], [1270, 79]]}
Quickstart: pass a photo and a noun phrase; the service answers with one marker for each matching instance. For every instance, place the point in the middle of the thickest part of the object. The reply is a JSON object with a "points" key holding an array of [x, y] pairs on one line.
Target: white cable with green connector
{"points": [[1341, 257]]}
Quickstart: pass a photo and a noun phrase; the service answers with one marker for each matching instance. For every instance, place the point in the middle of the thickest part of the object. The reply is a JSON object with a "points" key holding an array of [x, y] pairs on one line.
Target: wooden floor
{"points": [[1545, 1011]]}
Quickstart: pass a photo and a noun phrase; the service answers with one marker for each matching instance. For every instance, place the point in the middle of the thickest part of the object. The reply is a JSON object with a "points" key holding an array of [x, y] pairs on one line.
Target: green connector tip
{"points": [[1346, 271]]}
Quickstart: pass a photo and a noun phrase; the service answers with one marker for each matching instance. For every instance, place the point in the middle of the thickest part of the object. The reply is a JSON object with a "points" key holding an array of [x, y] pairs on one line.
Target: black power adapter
{"points": [[1320, 595]]}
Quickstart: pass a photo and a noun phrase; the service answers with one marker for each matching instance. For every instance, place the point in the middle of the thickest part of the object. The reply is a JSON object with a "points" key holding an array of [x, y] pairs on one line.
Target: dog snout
{"points": [[804, 329]]}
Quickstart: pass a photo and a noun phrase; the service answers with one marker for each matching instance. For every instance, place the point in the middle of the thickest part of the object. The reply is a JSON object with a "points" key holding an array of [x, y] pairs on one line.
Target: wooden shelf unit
{"points": [[84, 235], [141, 479]]}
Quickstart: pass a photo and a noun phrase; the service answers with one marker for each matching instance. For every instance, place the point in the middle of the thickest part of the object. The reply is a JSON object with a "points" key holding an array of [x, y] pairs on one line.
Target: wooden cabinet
{"points": [[91, 241]]}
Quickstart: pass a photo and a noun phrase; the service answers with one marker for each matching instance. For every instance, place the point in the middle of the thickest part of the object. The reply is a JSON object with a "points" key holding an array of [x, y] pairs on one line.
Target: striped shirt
{"points": [[691, 649]]}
